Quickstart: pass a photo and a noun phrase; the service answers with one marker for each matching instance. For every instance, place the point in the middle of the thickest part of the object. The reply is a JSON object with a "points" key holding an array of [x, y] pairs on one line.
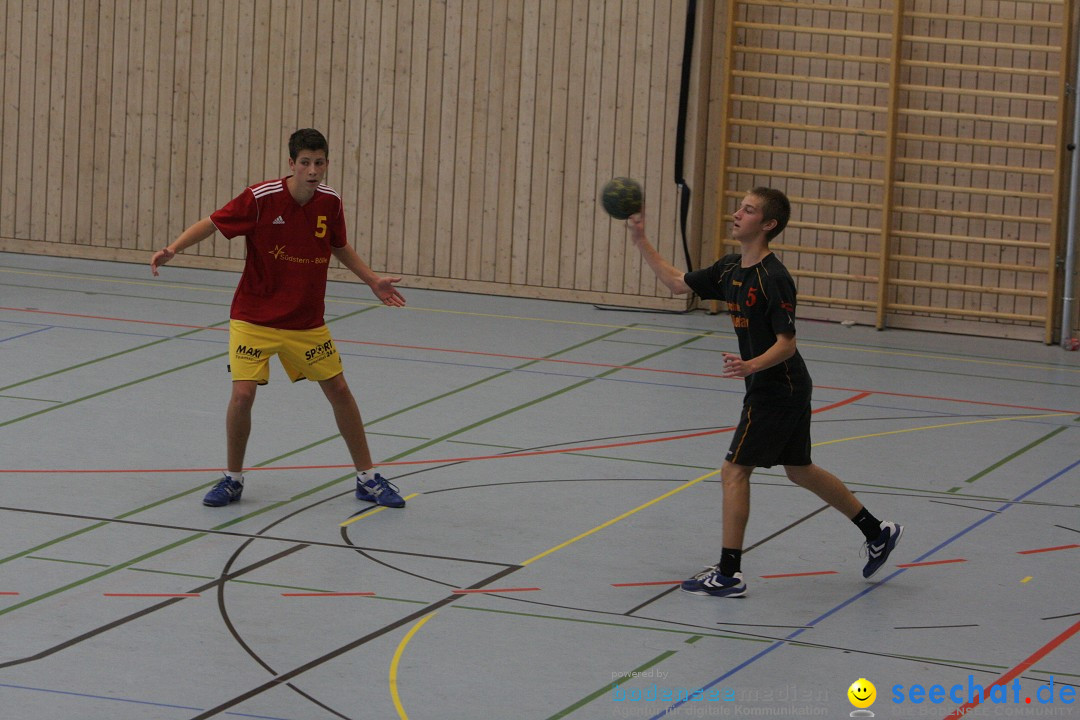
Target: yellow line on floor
{"points": [[937, 427], [351, 520], [397, 658], [626, 514]]}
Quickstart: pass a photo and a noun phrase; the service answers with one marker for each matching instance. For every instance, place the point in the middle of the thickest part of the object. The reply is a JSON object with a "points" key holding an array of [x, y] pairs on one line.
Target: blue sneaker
{"points": [[710, 582], [380, 491], [225, 492], [878, 549]]}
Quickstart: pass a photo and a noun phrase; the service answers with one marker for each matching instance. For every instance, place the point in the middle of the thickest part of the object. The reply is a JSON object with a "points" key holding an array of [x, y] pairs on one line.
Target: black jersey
{"points": [[761, 302]]}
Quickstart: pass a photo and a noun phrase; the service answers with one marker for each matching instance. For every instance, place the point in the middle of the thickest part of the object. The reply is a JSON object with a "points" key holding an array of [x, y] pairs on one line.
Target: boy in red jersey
{"points": [[774, 427], [291, 226]]}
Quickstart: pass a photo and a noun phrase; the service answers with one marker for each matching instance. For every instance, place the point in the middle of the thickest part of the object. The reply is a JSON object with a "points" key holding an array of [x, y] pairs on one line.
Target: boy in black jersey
{"points": [[774, 427]]}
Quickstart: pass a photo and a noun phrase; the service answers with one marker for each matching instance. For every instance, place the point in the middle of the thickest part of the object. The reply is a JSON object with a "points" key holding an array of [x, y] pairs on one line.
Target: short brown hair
{"points": [[776, 206], [307, 139]]}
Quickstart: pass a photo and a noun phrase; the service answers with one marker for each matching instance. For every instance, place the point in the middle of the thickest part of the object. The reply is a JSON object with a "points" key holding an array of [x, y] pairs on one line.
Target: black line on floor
{"points": [[284, 677], [254, 536], [967, 507], [146, 611]]}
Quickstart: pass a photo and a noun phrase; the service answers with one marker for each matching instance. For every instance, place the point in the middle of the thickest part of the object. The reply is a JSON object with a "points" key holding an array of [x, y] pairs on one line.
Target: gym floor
{"points": [[560, 465]]}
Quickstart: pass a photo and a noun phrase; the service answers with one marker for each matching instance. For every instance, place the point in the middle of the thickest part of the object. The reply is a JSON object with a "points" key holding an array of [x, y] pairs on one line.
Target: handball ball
{"points": [[622, 197], [1072, 344]]}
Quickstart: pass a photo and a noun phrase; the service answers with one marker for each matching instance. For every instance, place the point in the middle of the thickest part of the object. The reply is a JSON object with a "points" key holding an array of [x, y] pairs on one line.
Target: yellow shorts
{"points": [[303, 353]]}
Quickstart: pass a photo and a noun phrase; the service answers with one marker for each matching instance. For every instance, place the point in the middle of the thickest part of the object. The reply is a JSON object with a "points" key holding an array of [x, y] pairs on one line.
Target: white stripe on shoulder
{"points": [[329, 191], [266, 188]]}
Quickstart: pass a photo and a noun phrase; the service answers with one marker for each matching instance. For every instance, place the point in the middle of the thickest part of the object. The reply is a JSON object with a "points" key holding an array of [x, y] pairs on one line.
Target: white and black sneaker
{"points": [[878, 549], [710, 582]]}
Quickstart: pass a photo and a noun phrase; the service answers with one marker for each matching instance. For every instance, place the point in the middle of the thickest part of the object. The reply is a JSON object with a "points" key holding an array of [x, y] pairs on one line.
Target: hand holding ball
{"points": [[622, 197]]}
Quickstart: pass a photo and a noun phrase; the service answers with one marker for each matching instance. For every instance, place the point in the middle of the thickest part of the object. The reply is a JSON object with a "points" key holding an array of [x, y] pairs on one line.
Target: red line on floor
{"points": [[9, 593], [493, 590], [1022, 667], [328, 594], [554, 360], [802, 574], [931, 562], [643, 584], [1049, 549], [151, 594]]}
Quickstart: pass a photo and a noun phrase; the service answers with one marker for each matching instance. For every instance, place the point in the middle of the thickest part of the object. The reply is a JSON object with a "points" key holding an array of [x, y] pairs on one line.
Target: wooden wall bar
{"points": [[922, 144], [469, 138]]}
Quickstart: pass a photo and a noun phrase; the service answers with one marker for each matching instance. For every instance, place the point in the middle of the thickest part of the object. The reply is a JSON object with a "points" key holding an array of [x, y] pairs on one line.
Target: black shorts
{"points": [[769, 434]]}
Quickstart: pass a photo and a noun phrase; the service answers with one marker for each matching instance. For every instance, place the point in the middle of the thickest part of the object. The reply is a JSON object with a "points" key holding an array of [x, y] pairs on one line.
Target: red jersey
{"points": [[288, 253]]}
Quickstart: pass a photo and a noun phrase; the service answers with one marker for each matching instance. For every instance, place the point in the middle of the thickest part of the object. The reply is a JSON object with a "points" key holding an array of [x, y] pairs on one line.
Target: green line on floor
{"points": [[615, 683]]}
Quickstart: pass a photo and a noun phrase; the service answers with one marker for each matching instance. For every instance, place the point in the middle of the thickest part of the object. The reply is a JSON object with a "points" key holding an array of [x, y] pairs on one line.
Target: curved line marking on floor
{"points": [[397, 659]]}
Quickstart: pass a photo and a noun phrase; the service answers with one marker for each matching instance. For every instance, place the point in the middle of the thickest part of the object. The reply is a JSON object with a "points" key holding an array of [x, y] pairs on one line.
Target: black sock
{"points": [[870, 525], [730, 561]]}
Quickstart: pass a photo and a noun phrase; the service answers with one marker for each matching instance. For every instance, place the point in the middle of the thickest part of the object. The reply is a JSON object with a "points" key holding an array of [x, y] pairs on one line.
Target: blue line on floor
{"points": [[841, 606], [32, 332]]}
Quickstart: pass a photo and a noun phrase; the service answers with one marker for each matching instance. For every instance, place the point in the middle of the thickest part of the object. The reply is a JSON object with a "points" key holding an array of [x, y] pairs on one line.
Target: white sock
{"points": [[236, 476], [364, 475]]}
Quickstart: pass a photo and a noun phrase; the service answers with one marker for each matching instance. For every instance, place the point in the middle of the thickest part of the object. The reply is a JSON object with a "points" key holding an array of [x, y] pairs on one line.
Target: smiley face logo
{"points": [[862, 693]]}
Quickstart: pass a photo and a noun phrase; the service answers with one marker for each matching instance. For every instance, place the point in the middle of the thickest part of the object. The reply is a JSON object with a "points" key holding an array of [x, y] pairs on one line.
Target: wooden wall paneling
{"points": [[245, 171], [413, 196], [197, 90], [572, 194], [383, 101], [430, 219], [147, 128], [510, 88], [70, 108], [627, 114], [349, 42], [223, 183], [487, 224], [162, 225], [395, 234], [653, 144], [56, 117], [447, 195], [131, 144], [462, 228], [526, 120], [540, 159], [363, 229], [260, 136], [292, 59], [43, 142], [27, 127], [590, 216], [9, 51], [272, 149], [607, 143], [554, 243], [103, 128], [89, 103]]}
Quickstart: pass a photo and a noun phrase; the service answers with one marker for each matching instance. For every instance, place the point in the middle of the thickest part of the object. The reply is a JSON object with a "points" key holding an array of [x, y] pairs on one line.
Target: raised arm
{"points": [[667, 273]]}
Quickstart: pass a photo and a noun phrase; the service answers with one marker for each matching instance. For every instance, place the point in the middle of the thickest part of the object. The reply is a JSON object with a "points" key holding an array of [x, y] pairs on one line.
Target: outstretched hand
{"points": [[161, 257], [636, 222], [384, 290]]}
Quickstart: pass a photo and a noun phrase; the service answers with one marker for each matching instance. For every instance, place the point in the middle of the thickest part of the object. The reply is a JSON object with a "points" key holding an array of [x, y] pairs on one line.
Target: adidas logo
{"points": [[279, 220]]}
